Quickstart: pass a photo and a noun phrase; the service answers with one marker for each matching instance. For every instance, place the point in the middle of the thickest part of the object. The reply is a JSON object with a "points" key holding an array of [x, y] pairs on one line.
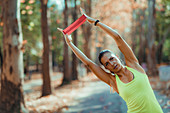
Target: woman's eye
{"points": [[111, 58], [107, 63]]}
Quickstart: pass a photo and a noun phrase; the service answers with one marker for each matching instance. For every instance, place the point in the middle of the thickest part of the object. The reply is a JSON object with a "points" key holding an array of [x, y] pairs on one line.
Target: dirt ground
{"points": [[61, 96]]}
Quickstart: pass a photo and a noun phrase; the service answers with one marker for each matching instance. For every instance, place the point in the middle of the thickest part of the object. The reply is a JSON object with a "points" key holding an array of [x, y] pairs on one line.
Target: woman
{"points": [[130, 81]]}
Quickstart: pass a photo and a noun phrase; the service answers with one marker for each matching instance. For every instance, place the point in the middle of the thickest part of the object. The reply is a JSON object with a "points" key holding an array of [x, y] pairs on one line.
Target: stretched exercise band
{"points": [[75, 25]]}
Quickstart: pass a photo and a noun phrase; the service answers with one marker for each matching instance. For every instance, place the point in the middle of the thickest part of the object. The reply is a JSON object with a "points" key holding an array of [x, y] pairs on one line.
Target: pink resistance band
{"points": [[75, 25]]}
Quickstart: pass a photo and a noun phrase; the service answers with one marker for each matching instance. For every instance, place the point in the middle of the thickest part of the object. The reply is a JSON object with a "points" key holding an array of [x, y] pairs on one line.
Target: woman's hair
{"points": [[102, 53]]}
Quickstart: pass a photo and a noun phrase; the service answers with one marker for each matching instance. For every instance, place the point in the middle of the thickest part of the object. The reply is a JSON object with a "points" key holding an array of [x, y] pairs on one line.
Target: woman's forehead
{"points": [[109, 55], [106, 57]]}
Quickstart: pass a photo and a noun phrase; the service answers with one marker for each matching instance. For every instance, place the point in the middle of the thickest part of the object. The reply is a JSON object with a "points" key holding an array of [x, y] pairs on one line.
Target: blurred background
{"points": [[48, 66]]}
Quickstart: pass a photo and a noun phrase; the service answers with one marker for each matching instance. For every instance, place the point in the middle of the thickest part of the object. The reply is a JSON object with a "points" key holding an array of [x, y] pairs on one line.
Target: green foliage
{"points": [[31, 28], [162, 24], [56, 19], [57, 37], [166, 51]]}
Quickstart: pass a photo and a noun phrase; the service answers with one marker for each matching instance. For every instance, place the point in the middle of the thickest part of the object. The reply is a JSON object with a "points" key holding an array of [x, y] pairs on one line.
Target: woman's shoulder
{"points": [[137, 67]]}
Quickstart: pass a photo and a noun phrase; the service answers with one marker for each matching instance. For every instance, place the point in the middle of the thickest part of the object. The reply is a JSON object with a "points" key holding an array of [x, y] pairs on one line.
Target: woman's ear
{"points": [[105, 69]]}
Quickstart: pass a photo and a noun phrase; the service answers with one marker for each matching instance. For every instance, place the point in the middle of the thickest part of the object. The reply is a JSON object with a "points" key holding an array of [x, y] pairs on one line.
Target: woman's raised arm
{"points": [[130, 58], [121, 43], [97, 70]]}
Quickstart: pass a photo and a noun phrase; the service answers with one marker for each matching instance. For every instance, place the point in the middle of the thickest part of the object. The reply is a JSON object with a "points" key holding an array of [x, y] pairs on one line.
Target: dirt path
{"points": [[96, 98], [86, 96]]}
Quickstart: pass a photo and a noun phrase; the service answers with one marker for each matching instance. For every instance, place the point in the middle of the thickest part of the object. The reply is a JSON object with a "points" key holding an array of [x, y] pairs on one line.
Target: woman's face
{"points": [[111, 62]]}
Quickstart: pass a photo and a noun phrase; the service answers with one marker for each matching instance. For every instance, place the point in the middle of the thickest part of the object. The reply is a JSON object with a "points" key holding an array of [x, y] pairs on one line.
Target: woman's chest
{"points": [[137, 85]]}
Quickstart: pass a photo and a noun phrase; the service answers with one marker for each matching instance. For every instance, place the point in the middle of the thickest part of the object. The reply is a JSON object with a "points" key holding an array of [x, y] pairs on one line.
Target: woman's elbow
{"points": [[89, 63]]}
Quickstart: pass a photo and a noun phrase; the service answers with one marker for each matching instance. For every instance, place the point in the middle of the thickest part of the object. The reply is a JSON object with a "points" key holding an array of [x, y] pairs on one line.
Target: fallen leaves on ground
{"points": [[61, 98]]}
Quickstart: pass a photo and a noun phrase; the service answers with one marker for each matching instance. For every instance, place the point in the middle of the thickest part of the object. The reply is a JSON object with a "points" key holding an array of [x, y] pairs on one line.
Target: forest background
{"points": [[30, 42]]}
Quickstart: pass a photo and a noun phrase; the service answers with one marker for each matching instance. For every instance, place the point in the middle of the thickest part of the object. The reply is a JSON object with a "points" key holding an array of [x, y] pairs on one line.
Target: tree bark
{"points": [[53, 60], [142, 41], [26, 66], [151, 49], [12, 100], [87, 30], [75, 60], [66, 77], [46, 66], [1, 58], [133, 27], [37, 65]]}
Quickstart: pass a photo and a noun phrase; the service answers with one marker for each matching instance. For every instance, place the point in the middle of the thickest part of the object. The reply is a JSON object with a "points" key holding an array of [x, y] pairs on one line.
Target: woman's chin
{"points": [[117, 69]]}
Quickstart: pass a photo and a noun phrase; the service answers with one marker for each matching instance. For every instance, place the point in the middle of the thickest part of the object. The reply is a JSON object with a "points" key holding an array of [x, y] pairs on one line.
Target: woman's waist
{"points": [[144, 106]]}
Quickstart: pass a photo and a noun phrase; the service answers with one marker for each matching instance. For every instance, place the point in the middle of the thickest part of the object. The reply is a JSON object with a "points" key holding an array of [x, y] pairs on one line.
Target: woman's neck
{"points": [[122, 72]]}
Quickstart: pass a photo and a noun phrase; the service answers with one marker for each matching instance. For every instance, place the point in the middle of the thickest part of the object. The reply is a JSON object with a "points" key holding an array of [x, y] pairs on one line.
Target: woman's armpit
{"points": [[113, 83]]}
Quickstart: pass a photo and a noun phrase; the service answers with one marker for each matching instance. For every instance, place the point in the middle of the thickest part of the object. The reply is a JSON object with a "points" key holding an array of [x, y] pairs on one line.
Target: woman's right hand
{"points": [[67, 37], [89, 19]]}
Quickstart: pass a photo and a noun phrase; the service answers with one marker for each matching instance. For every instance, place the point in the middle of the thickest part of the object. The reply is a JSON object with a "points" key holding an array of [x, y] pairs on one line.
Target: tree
{"points": [[66, 77], [75, 60], [151, 47], [87, 29], [1, 58], [1, 55], [141, 32], [12, 100], [47, 65], [157, 32]]}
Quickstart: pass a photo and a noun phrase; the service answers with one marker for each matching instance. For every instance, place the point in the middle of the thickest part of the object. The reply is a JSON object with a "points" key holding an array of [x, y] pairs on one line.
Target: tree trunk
{"points": [[66, 77], [87, 30], [53, 60], [1, 58], [142, 41], [12, 100], [151, 53], [160, 45], [133, 27], [26, 67], [159, 54], [46, 66], [75, 60], [37, 65]]}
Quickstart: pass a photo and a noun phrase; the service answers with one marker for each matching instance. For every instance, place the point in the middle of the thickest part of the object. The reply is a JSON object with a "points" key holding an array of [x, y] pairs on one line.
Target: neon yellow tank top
{"points": [[138, 94]]}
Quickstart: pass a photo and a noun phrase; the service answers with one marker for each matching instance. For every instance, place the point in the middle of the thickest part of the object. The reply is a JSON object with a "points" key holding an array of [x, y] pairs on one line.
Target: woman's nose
{"points": [[111, 62]]}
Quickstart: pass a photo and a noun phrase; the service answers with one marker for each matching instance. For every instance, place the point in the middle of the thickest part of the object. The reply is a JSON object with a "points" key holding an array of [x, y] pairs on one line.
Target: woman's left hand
{"points": [[89, 19], [67, 37]]}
